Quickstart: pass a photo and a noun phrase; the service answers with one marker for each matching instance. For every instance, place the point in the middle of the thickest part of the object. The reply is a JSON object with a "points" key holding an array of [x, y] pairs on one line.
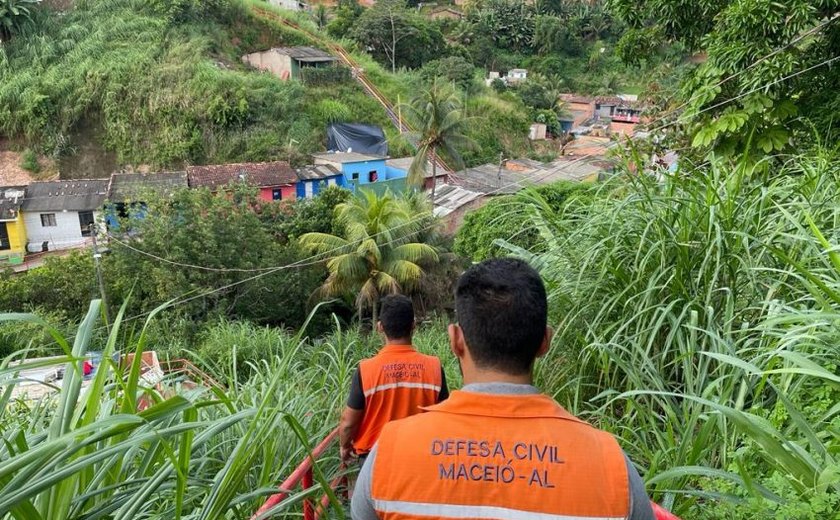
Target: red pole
{"points": [[306, 483], [296, 475], [660, 513]]}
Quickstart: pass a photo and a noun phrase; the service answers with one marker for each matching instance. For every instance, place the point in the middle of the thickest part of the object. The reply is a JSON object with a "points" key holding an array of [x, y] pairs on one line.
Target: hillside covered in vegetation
{"points": [[696, 309]]}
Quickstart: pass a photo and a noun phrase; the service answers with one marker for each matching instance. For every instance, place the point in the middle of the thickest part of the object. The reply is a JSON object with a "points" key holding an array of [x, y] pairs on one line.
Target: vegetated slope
{"points": [[165, 83], [696, 318]]}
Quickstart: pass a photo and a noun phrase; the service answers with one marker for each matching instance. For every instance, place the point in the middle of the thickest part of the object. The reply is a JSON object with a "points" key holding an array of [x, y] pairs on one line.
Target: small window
{"points": [[356, 176], [48, 220], [373, 176], [276, 194]]}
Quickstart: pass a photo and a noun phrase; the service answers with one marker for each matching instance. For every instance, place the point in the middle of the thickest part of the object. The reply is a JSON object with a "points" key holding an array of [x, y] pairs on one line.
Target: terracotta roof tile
{"points": [[263, 175]]}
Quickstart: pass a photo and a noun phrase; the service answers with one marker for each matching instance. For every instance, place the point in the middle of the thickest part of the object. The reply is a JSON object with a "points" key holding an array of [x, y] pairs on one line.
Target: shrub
{"points": [[325, 75], [29, 161], [510, 218], [330, 111]]}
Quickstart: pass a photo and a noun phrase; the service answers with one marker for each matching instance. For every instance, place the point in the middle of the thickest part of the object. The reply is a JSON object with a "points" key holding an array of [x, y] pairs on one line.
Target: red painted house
{"points": [[276, 180]]}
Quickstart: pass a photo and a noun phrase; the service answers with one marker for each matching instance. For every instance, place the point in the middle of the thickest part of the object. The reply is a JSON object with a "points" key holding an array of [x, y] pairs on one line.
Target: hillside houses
{"points": [[604, 114], [62, 214], [56, 215], [287, 62], [275, 180]]}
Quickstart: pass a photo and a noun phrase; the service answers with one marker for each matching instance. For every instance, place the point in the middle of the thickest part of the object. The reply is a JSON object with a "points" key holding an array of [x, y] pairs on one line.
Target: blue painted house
{"points": [[312, 179], [364, 170]]}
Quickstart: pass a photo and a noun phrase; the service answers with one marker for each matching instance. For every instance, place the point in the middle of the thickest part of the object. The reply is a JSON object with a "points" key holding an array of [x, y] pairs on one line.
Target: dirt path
{"points": [[11, 174]]}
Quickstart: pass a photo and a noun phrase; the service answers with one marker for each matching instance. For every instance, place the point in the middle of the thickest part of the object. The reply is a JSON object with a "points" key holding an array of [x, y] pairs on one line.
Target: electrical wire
{"points": [[760, 60], [312, 260], [756, 89]]}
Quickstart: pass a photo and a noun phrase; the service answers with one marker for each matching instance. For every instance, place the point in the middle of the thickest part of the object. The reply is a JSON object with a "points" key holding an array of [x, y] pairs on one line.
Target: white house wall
{"points": [[66, 234], [292, 5], [278, 64]]}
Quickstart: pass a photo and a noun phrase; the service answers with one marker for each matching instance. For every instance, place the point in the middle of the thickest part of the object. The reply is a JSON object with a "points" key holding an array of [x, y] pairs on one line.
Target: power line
{"points": [[760, 60], [756, 89], [190, 266], [309, 261]]}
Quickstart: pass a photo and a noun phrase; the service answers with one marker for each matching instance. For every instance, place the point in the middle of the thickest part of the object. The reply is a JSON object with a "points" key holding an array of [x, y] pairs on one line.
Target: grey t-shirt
{"points": [[361, 506]]}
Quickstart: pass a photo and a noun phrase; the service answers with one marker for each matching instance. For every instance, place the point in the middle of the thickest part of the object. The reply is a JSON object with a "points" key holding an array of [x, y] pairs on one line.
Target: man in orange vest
{"points": [[392, 385], [498, 449]]}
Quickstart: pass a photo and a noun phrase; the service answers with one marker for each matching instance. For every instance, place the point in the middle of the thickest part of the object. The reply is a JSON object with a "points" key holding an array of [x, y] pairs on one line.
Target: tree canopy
{"points": [[764, 65]]}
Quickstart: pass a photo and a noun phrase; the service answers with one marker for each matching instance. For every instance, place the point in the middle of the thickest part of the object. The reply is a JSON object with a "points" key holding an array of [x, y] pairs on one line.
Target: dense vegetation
{"points": [[164, 83], [696, 312]]}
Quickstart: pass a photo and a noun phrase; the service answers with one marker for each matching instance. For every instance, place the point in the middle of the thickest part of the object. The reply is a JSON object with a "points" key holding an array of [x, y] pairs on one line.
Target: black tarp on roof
{"points": [[360, 138]]}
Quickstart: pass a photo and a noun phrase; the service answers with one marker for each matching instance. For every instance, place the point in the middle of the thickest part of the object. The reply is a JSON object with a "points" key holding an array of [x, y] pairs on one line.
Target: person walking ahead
{"points": [[498, 449], [392, 385]]}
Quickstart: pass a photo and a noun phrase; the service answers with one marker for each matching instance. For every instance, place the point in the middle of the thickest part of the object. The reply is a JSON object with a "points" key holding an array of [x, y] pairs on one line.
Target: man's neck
{"points": [[398, 341], [492, 376]]}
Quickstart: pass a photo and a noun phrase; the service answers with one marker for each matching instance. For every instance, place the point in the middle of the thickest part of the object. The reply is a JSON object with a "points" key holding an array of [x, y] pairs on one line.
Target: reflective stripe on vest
{"points": [[391, 386], [488, 512], [503, 457], [396, 383]]}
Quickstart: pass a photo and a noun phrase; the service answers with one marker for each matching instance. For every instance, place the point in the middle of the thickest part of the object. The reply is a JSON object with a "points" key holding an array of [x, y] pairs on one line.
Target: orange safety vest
{"points": [[506, 457], [396, 383]]}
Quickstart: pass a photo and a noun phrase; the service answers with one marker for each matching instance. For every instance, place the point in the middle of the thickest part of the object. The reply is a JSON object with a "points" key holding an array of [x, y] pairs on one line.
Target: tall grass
{"points": [[697, 319], [198, 452], [89, 451]]}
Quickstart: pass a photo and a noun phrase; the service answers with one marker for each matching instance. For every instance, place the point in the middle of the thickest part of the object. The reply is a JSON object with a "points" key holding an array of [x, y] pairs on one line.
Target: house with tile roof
{"points": [[276, 180]]}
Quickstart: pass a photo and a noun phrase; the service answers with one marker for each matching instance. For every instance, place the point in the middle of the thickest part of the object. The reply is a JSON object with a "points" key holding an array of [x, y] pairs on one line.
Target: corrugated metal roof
{"points": [[78, 195], [262, 175], [346, 157], [11, 199], [489, 178], [316, 172], [449, 198], [126, 186], [307, 54], [404, 163]]}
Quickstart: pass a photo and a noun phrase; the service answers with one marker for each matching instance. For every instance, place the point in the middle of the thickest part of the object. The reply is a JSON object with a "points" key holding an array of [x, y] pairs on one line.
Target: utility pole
{"points": [[96, 256], [499, 175]]}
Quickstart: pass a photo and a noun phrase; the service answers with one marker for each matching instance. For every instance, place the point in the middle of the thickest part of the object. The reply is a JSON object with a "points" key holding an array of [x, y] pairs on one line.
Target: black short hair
{"points": [[502, 310], [396, 313]]}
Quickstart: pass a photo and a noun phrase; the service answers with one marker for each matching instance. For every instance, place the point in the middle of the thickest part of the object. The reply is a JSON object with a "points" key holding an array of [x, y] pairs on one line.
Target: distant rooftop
{"points": [[346, 157], [491, 180], [128, 186], [449, 198], [78, 195], [11, 199], [263, 175], [404, 163], [305, 54], [316, 172]]}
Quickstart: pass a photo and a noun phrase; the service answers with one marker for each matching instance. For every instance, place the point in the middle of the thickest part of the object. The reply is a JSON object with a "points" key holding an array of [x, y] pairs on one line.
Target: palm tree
{"points": [[376, 254], [438, 115], [555, 87]]}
